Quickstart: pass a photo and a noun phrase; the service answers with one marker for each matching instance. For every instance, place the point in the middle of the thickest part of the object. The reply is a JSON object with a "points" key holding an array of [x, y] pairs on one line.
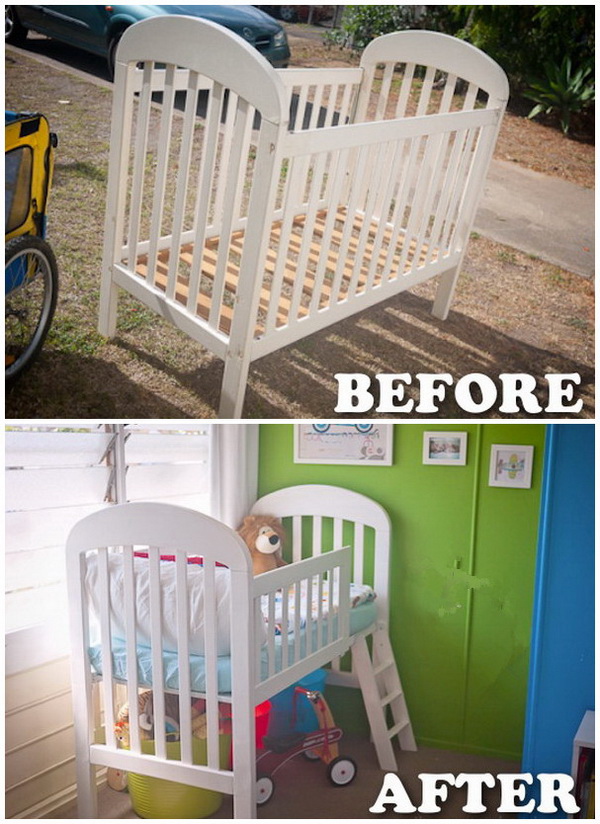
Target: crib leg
{"points": [[445, 293], [233, 387], [107, 317], [87, 793]]}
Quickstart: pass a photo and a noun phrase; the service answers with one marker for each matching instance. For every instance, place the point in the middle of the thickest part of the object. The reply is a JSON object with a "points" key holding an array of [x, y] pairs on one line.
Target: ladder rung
{"points": [[383, 667], [397, 728], [390, 697]]}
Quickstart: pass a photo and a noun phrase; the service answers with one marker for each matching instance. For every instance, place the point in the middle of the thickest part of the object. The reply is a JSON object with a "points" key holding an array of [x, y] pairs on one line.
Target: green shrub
{"points": [[361, 24], [564, 90]]}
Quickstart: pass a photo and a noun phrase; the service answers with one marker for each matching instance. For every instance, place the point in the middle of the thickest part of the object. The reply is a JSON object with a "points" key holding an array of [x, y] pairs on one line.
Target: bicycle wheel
{"points": [[31, 289]]}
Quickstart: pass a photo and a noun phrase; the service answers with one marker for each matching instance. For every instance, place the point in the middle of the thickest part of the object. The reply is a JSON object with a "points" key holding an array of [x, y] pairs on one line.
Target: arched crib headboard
{"points": [[324, 517]]}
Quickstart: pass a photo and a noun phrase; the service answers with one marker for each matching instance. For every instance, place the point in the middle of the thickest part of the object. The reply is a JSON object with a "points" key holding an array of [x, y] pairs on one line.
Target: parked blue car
{"points": [[98, 29]]}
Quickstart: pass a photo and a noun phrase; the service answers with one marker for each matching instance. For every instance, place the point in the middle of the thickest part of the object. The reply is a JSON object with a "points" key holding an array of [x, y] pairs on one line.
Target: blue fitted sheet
{"points": [[361, 617]]}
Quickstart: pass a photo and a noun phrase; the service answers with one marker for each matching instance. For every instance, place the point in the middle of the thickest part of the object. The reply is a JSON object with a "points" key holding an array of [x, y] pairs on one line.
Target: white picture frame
{"points": [[511, 466], [445, 448], [354, 444]]}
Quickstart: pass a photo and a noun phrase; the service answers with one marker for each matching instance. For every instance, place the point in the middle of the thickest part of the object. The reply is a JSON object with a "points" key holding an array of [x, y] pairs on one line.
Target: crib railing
{"points": [[378, 207], [301, 638]]}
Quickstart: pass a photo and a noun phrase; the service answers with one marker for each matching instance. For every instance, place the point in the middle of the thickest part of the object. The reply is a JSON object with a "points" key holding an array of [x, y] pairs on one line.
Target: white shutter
{"points": [[169, 463], [55, 475]]}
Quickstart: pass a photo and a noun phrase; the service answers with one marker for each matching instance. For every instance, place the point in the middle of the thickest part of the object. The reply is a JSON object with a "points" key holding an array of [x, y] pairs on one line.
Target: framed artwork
{"points": [[511, 466], [344, 443], [445, 448]]}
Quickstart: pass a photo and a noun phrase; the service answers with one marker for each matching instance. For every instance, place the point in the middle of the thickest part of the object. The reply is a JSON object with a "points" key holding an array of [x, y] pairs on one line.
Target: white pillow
{"points": [[195, 584]]}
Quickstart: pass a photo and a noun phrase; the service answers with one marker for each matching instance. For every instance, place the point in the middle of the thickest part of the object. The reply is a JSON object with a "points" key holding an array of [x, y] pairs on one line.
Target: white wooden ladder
{"points": [[383, 696]]}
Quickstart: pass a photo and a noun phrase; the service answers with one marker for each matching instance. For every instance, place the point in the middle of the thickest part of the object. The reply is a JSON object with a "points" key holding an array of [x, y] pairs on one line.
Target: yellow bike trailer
{"points": [[31, 273]]}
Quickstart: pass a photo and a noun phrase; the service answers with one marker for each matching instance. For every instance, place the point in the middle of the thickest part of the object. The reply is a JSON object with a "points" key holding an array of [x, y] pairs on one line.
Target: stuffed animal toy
{"points": [[264, 536]]}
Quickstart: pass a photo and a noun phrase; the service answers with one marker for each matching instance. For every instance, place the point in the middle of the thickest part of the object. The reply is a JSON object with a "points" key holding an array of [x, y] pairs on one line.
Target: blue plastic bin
{"points": [[285, 718]]}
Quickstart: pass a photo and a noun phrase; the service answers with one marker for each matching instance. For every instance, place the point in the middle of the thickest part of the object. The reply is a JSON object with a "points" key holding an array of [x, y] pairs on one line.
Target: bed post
{"points": [[233, 387], [122, 113], [445, 292], [87, 798], [243, 645], [239, 351]]}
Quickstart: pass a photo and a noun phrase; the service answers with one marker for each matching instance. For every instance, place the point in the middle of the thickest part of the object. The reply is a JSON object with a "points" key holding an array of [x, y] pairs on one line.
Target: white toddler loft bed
{"points": [[215, 632], [255, 206]]}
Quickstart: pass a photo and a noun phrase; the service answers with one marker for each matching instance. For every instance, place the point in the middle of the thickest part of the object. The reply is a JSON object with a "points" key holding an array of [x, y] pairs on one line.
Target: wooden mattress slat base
{"points": [[292, 252]]}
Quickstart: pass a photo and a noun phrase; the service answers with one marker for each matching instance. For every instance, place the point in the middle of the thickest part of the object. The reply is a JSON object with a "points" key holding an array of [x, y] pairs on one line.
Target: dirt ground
{"points": [[512, 314]]}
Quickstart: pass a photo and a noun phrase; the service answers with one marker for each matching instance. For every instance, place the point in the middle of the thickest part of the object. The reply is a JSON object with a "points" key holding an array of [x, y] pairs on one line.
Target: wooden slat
{"points": [[374, 248]]}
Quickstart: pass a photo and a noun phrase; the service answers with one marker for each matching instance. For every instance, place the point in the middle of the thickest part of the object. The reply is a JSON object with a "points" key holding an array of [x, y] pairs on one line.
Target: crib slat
{"points": [[284, 623], [203, 194], [423, 197], [320, 611], [448, 95], [425, 96], [297, 538], [221, 169], [384, 94], [470, 97], [384, 207], [160, 182], [405, 90], [374, 183], [338, 531], [139, 164], [458, 193], [309, 616], [239, 209], [183, 658], [183, 175], [105, 635], [338, 176], [352, 207], [271, 632], [439, 144], [158, 695], [317, 532], [481, 156], [292, 186], [446, 189], [359, 553], [228, 196], [210, 658], [129, 599], [297, 627], [402, 200]]}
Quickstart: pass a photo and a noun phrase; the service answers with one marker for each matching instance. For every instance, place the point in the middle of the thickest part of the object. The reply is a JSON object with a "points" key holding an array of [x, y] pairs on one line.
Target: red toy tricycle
{"points": [[318, 744]]}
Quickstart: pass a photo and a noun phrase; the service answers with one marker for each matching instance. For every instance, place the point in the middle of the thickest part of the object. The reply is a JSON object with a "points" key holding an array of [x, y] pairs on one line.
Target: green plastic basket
{"points": [[159, 798]]}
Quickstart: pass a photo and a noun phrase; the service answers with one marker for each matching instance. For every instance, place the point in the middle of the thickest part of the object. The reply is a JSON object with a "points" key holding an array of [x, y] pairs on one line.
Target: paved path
{"points": [[543, 216]]}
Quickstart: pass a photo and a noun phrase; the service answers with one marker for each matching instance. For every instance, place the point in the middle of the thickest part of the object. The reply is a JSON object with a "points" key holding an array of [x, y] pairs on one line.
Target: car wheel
{"points": [[14, 31], [288, 13], [111, 53]]}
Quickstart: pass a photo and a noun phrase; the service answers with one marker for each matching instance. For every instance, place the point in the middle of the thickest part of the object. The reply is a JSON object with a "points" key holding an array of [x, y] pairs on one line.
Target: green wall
{"points": [[462, 575]]}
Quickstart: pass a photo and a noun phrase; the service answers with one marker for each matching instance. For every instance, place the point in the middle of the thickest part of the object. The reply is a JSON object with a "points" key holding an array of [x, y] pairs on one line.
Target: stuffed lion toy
{"points": [[264, 537]]}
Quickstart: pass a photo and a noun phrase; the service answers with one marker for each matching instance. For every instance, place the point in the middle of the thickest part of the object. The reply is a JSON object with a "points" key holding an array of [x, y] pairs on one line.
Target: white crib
{"points": [[334, 535], [255, 206]]}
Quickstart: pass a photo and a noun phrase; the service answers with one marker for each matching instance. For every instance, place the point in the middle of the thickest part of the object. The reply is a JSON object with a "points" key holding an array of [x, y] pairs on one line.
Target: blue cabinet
{"points": [[561, 680]]}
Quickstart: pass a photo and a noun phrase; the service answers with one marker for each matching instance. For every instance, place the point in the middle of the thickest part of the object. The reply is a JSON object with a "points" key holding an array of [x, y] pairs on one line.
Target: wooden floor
{"points": [[327, 275]]}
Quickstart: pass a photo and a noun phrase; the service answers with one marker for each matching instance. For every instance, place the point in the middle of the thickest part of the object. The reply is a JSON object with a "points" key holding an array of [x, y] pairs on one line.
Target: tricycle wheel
{"points": [[31, 288], [341, 771], [264, 789], [312, 755]]}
